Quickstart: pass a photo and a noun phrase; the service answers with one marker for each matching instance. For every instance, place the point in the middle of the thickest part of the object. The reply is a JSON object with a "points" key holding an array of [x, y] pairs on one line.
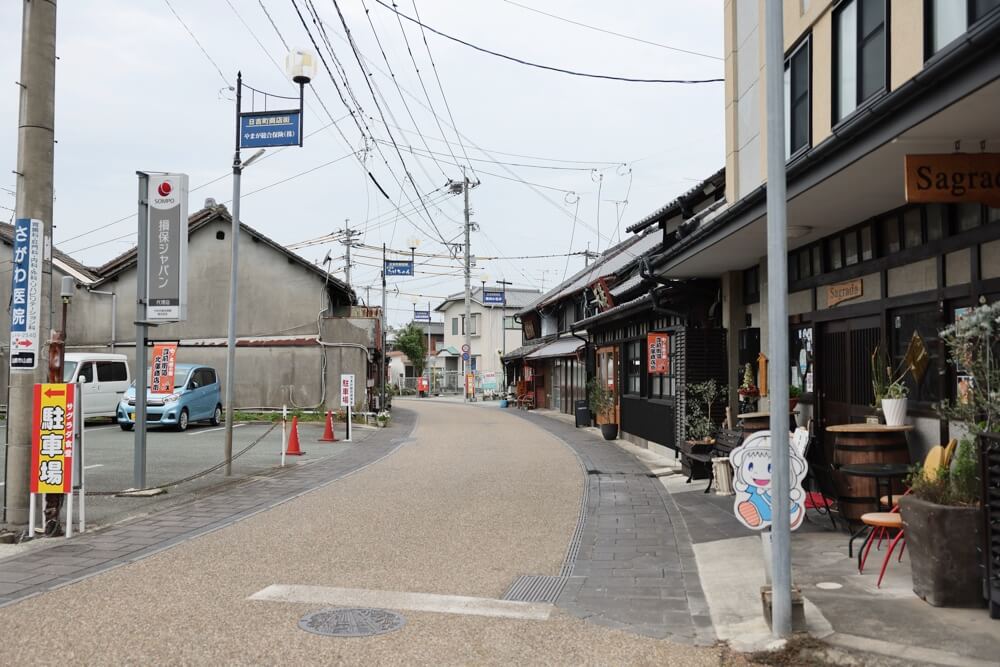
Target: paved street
{"points": [[463, 505], [173, 456]]}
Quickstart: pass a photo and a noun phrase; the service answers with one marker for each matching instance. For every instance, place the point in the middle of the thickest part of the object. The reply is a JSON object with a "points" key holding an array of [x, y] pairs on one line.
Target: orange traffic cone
{"points": [[293, 439], [328, 433]]}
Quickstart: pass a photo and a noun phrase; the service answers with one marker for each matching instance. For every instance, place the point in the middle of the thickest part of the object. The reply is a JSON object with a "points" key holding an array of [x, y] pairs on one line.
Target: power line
{"points": [[214, 64], [612, 32], [546, 67], [517, 164]]}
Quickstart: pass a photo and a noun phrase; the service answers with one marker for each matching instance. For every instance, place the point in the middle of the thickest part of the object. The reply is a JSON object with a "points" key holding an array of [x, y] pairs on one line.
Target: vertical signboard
{"points": [[166, 248], [162, 377], [26, 294], [658, 353], [347, 390], [53, 430]]}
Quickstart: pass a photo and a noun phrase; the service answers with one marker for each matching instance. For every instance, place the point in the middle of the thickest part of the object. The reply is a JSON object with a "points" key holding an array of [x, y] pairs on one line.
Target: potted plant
{"points": [[602, 404], [748, 391], [700, 423], [894, 404], [794, 394], [888, 389], [943, 518]]}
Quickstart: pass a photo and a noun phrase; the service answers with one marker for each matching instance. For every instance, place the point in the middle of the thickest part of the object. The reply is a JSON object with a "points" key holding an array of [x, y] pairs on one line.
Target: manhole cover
{"points": [[355, 622]]}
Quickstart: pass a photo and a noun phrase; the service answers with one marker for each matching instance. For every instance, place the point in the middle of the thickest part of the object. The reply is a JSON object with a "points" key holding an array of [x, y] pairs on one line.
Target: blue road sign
{"points": [[421, 316], [493, 297], [398, 267], [465, 356], [260, 129]]}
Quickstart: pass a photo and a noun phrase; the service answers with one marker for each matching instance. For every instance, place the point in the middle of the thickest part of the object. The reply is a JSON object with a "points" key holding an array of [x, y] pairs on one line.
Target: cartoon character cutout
{"points": [[751, 463]]}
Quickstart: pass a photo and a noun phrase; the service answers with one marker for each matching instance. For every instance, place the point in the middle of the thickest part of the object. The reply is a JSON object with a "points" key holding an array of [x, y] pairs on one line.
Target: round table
{"points": [[862, 445]]}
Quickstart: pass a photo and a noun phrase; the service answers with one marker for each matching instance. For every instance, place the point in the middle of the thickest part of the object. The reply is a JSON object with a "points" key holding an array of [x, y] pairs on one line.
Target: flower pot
{"points": [[609, 431], [792, 402], [944, 542], [894, 410]]}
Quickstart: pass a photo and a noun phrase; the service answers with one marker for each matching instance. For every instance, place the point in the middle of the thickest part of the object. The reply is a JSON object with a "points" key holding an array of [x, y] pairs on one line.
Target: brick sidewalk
{"points": [[95, 552], [635, 569]]}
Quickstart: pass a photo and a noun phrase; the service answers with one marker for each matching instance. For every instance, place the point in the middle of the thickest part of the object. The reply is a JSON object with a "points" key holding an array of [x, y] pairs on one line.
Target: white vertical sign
{"points": [[26, 294], [166, 248], [347, 390]]}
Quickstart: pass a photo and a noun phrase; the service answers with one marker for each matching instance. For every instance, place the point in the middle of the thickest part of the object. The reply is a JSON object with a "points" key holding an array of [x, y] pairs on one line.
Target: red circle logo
{"points": [[164, 189]]}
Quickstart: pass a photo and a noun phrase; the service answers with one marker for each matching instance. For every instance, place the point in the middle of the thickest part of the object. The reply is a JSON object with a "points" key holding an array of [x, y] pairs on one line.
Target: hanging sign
{"points": [[261, 129], [493, 297], [751, 463], [26, 294], [347, 390], [602, 299], [398, 267], [841, 292], [164, 361], [53, 427], [953, 177], [166, 248], [658, 353], [421, 316]]}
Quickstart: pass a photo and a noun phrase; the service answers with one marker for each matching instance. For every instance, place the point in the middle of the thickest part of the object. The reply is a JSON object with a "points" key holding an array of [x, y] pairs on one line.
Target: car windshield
{"points": [[69, 368]]}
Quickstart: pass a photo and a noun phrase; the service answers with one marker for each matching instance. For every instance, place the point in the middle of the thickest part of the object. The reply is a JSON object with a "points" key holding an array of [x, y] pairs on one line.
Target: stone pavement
{"points": [[634, 568], [46, 568]]}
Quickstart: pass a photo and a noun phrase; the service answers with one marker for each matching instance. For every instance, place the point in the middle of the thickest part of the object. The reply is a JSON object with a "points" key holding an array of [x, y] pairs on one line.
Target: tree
{"points": [[412, 341]]}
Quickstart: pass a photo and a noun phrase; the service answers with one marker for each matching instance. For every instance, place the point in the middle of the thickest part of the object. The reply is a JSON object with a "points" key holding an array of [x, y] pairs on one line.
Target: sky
{"points": [[563, 162]]}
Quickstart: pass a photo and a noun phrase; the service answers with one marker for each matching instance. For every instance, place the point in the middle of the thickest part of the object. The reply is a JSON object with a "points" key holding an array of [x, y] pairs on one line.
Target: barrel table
{"points": [[751, 422], [862, 444]]}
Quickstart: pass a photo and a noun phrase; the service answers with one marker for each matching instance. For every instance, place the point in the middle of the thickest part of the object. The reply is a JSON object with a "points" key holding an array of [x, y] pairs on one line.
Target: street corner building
{"points": [[298, 327]]}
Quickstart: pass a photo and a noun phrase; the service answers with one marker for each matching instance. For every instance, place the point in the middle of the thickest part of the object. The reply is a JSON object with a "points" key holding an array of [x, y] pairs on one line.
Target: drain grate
{"points": [[352, 622], [535, 588]]}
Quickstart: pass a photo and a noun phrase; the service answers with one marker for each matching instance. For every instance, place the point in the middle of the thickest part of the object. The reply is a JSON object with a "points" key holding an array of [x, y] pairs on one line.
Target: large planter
{"points": [[944, 542], [609, 431], [894, 410]]}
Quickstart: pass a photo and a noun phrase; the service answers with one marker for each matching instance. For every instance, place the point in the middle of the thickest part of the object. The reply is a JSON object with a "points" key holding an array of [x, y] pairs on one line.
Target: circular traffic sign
{"points": [[465, 356], [466, 348]]}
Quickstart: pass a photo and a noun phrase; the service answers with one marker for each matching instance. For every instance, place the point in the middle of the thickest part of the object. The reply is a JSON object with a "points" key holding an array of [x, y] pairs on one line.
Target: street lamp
{"points": [[300, 64]]}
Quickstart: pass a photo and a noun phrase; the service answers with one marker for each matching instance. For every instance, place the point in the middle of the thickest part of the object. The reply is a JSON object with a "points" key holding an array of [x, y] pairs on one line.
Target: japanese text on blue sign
{"points": [[25, 295], [421, 316], [272, 128], [396, 267], [493, 297]]}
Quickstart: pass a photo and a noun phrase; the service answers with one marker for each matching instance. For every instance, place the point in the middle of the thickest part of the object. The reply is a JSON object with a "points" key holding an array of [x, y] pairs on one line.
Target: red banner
{"points": [[658, 353], [53, 427], [164, 361]]}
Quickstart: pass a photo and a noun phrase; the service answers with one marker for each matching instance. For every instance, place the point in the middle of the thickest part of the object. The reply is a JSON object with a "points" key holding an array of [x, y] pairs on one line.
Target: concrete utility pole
{"points": [[777, 316], [350, 235], [467, 365], [34, 176], [382, 364], [503, 331]]}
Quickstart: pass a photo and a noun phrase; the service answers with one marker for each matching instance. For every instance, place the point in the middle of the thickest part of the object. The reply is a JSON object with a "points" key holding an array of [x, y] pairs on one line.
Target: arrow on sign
{"points": [[55, 392], [23, 343]]}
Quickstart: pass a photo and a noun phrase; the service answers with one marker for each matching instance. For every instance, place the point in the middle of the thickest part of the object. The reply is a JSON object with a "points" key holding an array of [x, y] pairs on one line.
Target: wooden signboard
{"points": [[840, 292], [953, 177]]}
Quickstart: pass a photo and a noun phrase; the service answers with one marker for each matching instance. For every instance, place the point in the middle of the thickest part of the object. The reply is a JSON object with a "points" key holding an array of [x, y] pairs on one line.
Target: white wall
{"points": [[488, 338]]}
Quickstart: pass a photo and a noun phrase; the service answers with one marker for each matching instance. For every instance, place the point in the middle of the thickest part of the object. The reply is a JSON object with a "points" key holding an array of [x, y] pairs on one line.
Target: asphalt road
{"points": [[172, 456]]}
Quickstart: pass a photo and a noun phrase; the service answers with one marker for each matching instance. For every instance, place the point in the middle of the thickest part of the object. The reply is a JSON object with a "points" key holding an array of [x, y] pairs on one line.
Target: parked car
{"points": [[104, 378], [197, 397]]}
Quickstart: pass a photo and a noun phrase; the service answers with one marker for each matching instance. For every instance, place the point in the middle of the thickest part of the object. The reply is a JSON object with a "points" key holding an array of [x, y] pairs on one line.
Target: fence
{"points": [[451, 382]]}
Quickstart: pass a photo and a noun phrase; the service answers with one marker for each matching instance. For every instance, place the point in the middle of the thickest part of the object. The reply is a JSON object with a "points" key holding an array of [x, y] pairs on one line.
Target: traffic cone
{"points": [[328, 433], [293, 439]]}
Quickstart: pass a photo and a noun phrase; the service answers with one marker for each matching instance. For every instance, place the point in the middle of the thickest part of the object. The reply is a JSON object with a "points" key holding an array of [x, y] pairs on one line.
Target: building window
{"points": [[454, 326], [913, 234], [751, 285], [664, 385], [969, 216], [633, 367], [510, 322], [890, 235], [834, 253], [946, 20], [474, 327], [867, 249], [860, 54], [797, 102]]}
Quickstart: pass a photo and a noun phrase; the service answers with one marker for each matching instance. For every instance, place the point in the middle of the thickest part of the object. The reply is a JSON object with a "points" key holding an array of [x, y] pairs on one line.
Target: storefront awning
{"points": [[449, 351], [564, 347]]}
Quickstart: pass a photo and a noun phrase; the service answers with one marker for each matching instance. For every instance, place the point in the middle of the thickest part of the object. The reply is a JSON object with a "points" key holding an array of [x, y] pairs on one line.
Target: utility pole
{"points": [[350, 235], [503, 331], [34, 176], [467, 365], [589, 255], [381, 372], [777, 316]]}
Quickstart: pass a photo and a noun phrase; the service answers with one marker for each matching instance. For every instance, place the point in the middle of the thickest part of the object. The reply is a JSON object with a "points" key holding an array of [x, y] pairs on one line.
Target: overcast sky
{"points": [[135, 91]]}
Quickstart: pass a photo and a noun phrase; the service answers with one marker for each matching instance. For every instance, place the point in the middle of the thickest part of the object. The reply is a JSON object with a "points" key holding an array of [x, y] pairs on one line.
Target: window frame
{"points": [[804, 43], [860, 103], [971, 19]]}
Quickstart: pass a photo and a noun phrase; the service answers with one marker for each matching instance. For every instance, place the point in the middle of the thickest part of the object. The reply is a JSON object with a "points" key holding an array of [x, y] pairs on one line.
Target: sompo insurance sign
{"points": [[53, 427], [166, 248]]}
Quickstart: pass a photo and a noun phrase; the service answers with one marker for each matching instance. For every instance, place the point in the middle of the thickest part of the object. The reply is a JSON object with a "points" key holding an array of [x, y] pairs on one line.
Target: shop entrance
{"points": [[845, 375], [607, 375]]}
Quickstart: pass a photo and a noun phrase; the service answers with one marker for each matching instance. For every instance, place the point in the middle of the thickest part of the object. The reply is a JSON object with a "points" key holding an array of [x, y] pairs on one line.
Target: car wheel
{"points": [[182, 420], [127, 427], [217, 416]]}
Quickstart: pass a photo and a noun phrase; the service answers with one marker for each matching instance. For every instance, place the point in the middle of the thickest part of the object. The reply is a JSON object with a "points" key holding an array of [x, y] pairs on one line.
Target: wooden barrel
{"points": [[858, 495]]}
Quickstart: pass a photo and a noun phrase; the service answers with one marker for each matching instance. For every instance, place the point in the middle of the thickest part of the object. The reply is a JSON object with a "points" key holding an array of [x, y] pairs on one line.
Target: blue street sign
{"points": [[260, 129], [421, 316], [26, 293], [465, 356], [493, 297], [398, 267]]}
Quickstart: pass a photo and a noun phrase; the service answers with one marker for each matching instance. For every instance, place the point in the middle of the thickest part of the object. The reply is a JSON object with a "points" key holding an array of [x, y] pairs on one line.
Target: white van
{"points": [[105, 379]]}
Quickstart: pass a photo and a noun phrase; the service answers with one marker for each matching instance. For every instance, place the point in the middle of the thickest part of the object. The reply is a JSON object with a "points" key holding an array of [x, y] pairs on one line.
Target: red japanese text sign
{"points": [[53, 427], [658, 353], [164, 361]]}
